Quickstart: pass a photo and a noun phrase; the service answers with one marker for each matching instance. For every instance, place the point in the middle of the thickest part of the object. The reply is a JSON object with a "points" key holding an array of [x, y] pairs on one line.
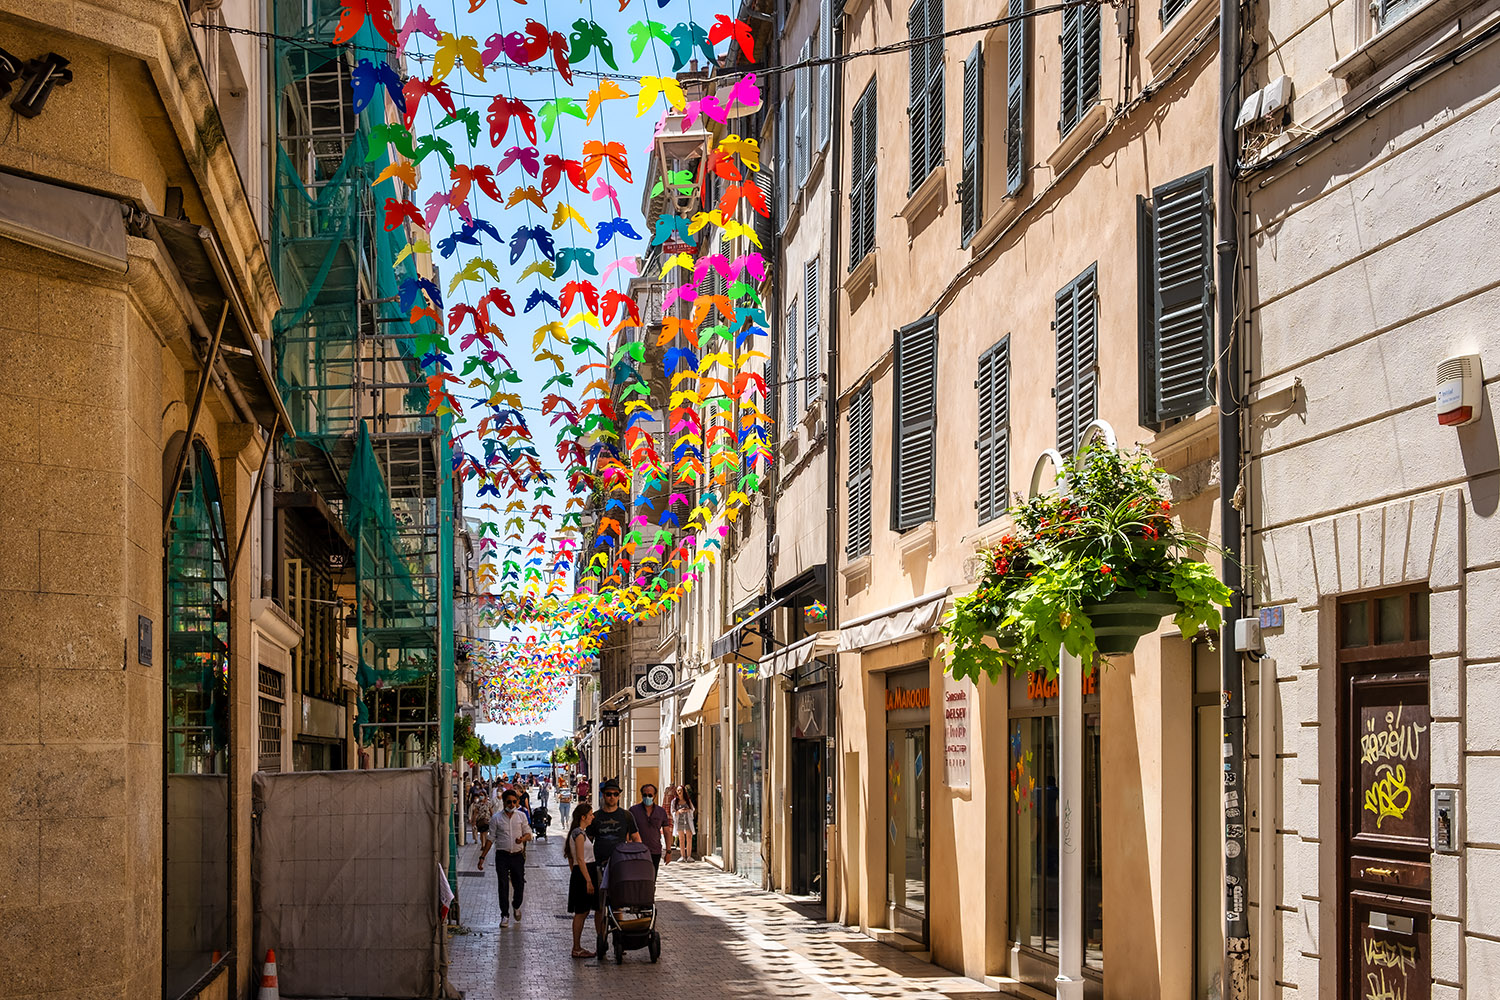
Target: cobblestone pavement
{"points": [[720, 938]]}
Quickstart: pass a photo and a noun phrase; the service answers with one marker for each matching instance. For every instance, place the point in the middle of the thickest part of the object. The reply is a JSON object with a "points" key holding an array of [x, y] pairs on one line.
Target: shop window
{"points": [[196, 915]]}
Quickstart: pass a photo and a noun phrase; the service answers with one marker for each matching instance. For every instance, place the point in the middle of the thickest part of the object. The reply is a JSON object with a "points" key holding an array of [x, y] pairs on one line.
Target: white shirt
{"points": [[505, 829], [579, 837]]}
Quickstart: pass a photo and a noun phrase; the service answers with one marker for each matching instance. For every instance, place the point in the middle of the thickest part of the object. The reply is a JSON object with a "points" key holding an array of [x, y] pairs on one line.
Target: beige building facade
{"points": [[129, 676], [1369, 202], [1025, 247]]}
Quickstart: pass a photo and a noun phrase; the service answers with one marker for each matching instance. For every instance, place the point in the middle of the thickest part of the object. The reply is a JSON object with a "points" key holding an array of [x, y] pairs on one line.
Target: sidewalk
{"points": [[720, 938]]}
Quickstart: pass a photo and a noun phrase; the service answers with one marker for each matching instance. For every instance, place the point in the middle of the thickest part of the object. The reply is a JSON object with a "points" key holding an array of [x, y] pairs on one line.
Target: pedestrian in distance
{"points": [[511, 832], [564, 801], [481, 812], [654, 824], [684, 822], [583, 886]]}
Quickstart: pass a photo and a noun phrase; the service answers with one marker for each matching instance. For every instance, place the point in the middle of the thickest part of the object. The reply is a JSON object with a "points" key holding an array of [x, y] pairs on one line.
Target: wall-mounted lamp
{"points": [[39, 76]]}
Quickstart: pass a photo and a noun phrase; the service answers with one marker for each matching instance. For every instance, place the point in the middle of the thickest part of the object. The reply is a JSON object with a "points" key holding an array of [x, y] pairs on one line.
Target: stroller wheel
{"points": [[654, 946], [619, 949]]}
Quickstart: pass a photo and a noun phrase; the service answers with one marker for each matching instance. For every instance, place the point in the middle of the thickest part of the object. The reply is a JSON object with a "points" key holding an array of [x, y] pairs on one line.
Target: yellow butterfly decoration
{"points": [[651, 86]]}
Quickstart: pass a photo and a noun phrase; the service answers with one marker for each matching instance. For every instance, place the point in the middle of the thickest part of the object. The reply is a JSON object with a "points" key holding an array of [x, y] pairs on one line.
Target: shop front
{"points": [[749, 774], [907, 742], [703, 729], [1034, 841]]}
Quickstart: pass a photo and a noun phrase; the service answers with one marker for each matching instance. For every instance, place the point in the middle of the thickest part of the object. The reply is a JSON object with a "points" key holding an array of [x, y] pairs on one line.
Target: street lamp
{"points": [[1070, 764]]}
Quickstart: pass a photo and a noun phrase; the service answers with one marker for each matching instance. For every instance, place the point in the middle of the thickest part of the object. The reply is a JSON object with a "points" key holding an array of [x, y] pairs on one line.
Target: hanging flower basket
{"points": [[1090, 568], [1122, 618]]}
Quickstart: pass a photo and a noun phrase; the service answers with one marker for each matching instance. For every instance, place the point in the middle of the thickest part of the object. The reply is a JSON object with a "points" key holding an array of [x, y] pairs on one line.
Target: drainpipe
{"points": [[1232, 667], [268, 516], [830, 421]]}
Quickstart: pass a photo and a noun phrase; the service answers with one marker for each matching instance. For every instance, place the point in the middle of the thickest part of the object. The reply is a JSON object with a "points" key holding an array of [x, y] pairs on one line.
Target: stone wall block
{"points": [[1447, 742], [1447, 885], [1444, 688], [64, 879], [1299, 869], [21, 569], [20, 427], [101, 446], [1322, 547], [82, 781], [1444, 638], [20, 704], [1447, 951], [1482, 522], [1482, 624], [1481, 699], [79, 563], [1481, 963], [83, 706], [1447, 567], [1349, 552], [1483, 907], [1481, 793], [20, 875]]}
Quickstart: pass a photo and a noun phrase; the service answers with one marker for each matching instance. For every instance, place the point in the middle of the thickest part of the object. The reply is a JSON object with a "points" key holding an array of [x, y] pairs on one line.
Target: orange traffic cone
{"points": [[268, 988]]}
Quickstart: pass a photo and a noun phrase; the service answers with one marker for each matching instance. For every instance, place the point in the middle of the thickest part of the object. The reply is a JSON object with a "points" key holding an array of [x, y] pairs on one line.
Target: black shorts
{"points": [[580, 900], [482, 827]]}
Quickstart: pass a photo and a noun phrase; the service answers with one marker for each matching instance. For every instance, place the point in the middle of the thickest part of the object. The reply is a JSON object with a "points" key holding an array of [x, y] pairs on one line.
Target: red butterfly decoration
{"points": [[352, 18], [398, 210]]}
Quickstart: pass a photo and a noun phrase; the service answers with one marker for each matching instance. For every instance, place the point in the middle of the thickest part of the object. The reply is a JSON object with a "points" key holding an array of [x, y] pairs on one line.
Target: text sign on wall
{"points": [[958, 715]]}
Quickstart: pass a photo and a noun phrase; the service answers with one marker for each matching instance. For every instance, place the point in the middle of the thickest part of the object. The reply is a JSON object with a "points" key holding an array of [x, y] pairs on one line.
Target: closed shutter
{"points": [[862, 160], [812, 358], [793, 397], [1080, 43], [765, 179], [825, 74], [935, 126], [993, 444], [1170, 9], [916, 107], [1016, 56], [915, 426], [783, 167], [802, 97], [861, 420], [1177, 297], [1388, 12], [971, 185], [1077, 330]]}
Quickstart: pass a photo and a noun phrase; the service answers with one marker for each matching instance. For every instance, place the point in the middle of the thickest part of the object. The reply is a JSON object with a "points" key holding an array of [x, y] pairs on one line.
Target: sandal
{"points": [[580, 953]]}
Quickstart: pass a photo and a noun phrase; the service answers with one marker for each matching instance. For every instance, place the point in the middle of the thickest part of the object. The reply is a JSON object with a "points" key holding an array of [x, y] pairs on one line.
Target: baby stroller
{"points": [[630, 902], [540, 820]]}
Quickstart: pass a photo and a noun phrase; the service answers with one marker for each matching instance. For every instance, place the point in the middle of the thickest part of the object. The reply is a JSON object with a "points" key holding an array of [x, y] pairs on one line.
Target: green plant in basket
{"points": [[1090, 567]]}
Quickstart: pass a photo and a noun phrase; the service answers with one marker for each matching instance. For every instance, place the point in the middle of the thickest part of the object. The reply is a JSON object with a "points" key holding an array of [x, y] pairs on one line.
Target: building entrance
{"points": [[907, 710]]}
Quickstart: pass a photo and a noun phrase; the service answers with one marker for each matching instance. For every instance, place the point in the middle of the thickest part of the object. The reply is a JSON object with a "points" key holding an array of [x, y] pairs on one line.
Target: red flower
{"points": [[1104, 569]]}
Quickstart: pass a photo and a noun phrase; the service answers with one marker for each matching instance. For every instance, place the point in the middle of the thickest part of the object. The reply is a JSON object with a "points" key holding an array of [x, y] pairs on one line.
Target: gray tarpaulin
{"points": [[346, 879], [76, 224]]}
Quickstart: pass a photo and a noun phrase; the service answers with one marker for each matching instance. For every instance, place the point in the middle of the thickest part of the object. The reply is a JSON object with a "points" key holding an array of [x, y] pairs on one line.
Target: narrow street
{"points": [[720, 938]]}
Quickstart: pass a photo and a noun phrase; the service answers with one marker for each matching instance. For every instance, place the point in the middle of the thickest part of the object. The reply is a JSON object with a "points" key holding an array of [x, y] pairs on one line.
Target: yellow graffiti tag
{"points": [[1390, 955], [1389, 796]]}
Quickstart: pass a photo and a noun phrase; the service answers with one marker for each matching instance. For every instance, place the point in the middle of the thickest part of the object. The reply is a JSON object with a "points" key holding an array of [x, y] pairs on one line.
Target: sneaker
{"points": [[504, 921], [518, 915]]}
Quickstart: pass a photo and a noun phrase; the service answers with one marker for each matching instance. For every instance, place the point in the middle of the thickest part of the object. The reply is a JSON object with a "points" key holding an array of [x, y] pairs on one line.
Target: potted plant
{"points": [[1091, 567]]}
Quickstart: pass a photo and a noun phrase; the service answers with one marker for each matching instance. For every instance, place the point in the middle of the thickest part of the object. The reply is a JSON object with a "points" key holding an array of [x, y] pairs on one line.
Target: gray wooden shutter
{"points": [[1170, 9], [1388, 12], [793, 397], [783, 167], [1016, 56], [825, 74], [1077, 331], [811, 323], [935, 104], [915, 439], [993, 444], [803, 103], [971, 184], [765, 179], [1081, 48], [1180, 345], [862, 128], [861, 419], [916, 107]]}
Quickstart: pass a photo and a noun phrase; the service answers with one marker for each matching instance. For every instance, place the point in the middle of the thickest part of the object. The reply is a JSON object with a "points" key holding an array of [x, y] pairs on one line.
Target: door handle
{"points": [[1383, 872]]}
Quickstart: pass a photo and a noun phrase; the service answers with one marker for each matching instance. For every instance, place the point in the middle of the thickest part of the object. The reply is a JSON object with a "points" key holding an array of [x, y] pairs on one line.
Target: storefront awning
{"points": [[904, 621], [74, 224], [730, 641], [706, 687], [799, 653]]}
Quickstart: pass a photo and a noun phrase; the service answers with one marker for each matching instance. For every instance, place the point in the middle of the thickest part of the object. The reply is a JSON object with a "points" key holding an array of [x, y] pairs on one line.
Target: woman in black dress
{"points": [[583, 887]]}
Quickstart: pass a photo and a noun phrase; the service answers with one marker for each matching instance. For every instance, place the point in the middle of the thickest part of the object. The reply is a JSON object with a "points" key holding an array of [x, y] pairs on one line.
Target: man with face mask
{"points": [[511, 833], [651, 819]]}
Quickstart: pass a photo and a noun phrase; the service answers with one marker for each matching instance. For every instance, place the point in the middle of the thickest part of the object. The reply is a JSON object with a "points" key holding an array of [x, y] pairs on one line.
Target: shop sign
{"points": [[898, 698], [958, 703], [1039, 686]]}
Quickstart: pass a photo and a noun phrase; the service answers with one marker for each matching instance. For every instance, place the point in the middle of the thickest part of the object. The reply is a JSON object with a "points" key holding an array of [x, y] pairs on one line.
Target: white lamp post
{"points": [[1070, 770]]}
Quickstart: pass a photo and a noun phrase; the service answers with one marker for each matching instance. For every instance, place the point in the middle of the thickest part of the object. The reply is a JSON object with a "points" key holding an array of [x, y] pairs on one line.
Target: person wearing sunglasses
{"points": [[612, 826]]}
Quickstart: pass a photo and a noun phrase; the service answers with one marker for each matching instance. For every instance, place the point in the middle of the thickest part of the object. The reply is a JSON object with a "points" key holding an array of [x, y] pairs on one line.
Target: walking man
{"points": [[612, 827], [511, 833], [651, 820]]}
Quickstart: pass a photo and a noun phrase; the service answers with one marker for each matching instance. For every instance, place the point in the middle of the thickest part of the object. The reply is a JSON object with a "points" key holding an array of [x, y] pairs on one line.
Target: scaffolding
{"points": [[347, 367]]}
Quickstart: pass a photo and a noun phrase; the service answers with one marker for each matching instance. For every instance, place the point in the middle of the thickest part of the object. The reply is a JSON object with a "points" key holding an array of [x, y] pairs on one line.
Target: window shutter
{"points": [[1076, 329], [803, 109], [915, 445], [993, 443], [861, 421], [971, 185], [1171, 8], [765, 179], [825, 74], [793, 397], [1388, 12], [783, 167], [1182, 292], [1015, 99], [935, 120], [811, 323], [916, 107], [1081, 46], [862, 161], [1068, 110]]}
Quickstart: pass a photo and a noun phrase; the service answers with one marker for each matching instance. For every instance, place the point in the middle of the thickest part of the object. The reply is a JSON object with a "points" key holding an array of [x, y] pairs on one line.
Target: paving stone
{"points": [[720, 938]]}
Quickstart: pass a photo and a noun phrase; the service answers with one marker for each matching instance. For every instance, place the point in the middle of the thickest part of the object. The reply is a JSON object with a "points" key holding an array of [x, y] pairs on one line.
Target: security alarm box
{"points": [[1460, 390]]}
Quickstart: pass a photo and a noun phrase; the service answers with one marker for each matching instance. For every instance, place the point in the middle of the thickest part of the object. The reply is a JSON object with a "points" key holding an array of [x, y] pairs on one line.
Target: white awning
{"points": [[904, 621], [698, 698], [799, 653]]}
